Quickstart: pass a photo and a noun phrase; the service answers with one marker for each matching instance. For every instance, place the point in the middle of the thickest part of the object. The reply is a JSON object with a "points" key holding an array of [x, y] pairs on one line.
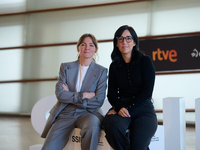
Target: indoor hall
{"points": [[36, 37]]}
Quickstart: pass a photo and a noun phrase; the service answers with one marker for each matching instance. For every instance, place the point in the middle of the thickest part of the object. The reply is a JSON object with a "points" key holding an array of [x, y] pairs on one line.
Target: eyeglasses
{"points": [[127, 38]]}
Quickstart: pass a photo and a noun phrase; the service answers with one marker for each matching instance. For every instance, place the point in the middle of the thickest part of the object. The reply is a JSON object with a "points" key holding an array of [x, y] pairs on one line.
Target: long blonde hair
{"points": [[81, 39]]}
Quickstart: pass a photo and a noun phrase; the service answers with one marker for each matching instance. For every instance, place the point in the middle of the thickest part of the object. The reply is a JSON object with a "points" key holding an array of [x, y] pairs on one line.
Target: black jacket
{"points": [[134, 79]]}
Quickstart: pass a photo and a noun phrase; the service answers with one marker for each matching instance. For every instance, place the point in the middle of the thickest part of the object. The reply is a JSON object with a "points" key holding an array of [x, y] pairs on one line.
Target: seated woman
{"points": [[130, 87], [80, 91]]}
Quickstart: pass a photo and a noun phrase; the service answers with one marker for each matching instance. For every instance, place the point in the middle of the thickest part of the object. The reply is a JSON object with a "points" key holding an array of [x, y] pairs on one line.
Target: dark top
{"points": [[134, 79]]}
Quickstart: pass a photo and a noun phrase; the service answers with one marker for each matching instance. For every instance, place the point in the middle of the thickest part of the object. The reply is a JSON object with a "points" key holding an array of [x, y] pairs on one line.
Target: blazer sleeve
{"points": [[100, 92], [66, 96]]}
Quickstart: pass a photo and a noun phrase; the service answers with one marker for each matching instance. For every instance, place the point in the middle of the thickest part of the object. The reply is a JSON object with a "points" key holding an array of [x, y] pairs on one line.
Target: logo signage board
{"points": [[173, 54]]}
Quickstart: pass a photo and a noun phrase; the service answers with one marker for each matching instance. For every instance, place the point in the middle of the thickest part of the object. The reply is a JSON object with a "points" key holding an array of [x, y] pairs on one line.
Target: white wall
{"points": [[148, 18]]}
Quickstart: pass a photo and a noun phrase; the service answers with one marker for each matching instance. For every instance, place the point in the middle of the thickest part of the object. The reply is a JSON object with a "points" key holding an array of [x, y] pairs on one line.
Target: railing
{"points": [[187, 110], [72, 7]]}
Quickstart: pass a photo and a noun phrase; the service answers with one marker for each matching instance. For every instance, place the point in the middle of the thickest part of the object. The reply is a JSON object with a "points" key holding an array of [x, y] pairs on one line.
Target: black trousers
{"points": [[142, 126]]}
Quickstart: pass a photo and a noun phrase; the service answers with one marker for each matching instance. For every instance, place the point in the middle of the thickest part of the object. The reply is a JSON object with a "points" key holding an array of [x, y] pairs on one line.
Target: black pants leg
{"points": [[142, 125], [142, 130], [115, 127]]}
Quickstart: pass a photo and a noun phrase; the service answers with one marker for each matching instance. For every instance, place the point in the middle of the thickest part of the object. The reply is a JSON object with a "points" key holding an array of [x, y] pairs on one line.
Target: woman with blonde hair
{"points": [[80, 91]]}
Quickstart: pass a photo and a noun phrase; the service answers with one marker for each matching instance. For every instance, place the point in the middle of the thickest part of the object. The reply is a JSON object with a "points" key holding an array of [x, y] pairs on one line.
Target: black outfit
{"points": [[130, 86]]}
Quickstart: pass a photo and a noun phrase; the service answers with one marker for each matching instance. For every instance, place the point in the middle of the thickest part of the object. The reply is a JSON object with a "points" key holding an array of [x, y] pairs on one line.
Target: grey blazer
{"points": [[95, 81]]}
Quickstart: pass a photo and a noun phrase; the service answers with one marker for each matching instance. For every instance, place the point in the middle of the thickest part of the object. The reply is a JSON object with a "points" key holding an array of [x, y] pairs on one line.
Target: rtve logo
{"points": [[170, 55], [195, 53]]}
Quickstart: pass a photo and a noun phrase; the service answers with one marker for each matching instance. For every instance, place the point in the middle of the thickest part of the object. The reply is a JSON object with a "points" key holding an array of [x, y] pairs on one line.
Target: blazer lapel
{"points": [[72, 75], [90, 77]]}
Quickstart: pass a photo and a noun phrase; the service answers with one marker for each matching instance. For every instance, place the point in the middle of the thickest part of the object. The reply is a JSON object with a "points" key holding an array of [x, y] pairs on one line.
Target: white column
{"points": [[174, 123], [197, 122]]}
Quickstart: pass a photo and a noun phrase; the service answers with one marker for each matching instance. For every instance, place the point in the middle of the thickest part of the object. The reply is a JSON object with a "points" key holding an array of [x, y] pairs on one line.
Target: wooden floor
{"points": [[17, 133]]}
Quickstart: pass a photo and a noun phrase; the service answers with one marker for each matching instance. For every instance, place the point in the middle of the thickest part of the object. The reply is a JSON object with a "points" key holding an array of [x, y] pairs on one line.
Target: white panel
{"points": [[197, 123], [11, 65], [179, 16], [11, 61], [69, 25], [8, 6], [45, 62], [174, 123], [10, 97], [11, 34], [21, 97], [12, 31]]}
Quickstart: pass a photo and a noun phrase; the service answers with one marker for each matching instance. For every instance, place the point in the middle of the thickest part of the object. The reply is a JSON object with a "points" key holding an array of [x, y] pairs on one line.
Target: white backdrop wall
{"points": [[147, 18]]}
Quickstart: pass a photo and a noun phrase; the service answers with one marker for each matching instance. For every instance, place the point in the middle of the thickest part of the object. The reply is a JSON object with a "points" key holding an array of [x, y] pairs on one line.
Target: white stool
{"points": [[174, 123], [39, 115], [197, 122], [158, 140], [75, 141]]}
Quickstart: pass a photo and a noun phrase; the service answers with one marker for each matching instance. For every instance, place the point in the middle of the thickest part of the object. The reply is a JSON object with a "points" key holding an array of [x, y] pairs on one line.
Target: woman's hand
{"points": [[124, 112], [112, 112], [88, 95], [65, 87]]}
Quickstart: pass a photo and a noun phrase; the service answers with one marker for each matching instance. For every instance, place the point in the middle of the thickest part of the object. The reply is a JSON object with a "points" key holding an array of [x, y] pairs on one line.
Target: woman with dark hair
{"points": [[80, 91], [130, 86]]}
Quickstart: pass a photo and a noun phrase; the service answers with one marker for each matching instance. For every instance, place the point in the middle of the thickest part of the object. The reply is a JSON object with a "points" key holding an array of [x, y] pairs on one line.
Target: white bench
{"points": [[40, 113]]}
